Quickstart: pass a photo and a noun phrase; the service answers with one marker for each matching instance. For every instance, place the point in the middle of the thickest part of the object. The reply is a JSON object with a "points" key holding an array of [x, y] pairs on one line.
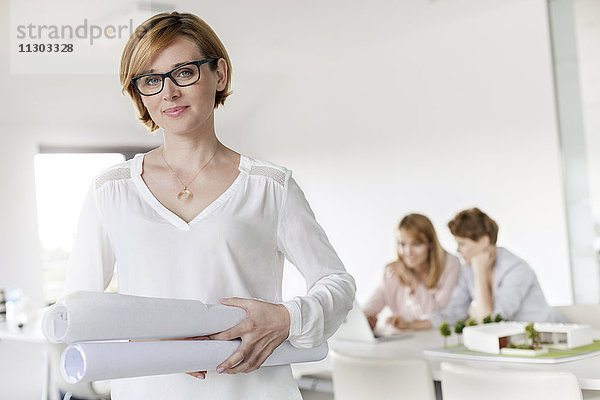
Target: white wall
{"points": [[453, 111], [588, 35], [382, 109]]}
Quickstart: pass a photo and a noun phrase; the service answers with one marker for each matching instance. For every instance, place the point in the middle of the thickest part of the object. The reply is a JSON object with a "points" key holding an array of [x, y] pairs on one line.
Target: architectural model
{"points": [[496, 338]]}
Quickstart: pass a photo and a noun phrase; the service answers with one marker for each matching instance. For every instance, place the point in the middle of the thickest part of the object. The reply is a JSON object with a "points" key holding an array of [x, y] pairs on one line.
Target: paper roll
{"points": [[84, 362], [86, 316]]}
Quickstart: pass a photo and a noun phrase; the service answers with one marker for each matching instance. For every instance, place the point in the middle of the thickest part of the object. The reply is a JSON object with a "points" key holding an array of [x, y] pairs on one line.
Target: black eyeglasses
{"points": [[184, 75]]}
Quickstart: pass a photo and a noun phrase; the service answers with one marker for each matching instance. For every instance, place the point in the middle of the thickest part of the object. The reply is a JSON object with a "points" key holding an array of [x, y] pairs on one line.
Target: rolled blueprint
{"points": [[85, 316], [83, 362]]}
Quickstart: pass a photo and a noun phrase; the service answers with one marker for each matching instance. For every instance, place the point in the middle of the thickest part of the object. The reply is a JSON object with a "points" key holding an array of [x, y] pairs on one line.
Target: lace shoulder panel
{"points": [[113, 175], [273, 173]]}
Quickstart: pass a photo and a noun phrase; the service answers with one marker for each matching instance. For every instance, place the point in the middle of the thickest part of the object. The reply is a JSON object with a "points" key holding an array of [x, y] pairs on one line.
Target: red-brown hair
{"points": [[474, 224], [154, 34]]}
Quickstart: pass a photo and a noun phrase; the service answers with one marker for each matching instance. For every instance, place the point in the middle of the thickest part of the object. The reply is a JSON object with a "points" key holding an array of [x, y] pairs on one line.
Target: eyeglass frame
{"points": [[198, 63]]}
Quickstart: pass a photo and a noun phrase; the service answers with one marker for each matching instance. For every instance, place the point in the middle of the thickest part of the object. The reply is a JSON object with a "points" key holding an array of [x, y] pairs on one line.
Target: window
{"points": [[62, 179]]}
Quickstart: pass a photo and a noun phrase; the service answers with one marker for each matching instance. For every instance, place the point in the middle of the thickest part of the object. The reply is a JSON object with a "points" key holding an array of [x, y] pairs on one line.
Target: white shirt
{"points": [[234, 247]]}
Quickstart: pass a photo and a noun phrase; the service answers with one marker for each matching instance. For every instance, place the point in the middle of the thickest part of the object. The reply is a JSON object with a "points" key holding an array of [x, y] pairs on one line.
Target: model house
{"points": [[492, 338]]}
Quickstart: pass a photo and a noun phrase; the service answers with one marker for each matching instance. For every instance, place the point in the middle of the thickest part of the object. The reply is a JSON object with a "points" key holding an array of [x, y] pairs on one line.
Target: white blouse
{"points": [[234, 247]]}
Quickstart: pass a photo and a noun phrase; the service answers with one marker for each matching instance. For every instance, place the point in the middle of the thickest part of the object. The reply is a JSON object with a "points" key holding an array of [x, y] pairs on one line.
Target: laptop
{"points": [[356, 328]]}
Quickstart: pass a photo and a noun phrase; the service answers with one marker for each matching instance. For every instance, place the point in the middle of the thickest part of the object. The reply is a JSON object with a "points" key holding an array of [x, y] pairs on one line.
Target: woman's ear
{"points": [[221, 74], [484, 241]]}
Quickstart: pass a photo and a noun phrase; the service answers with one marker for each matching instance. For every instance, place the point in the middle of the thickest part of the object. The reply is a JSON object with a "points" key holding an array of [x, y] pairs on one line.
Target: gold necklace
{"points": [[185, 194]]}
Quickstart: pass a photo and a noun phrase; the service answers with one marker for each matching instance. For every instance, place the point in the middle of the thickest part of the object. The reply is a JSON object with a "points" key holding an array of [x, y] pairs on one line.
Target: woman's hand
{"points": [[397, 322], [483, 262], [266, 326], [372, 319]]}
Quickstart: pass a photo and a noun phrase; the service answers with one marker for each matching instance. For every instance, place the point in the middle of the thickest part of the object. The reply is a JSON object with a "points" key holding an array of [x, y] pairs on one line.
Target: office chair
{"points": [[357, 378], [467, 383]]}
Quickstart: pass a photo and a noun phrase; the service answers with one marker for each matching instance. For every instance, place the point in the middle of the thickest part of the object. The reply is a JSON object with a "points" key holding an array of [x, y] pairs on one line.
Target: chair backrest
{"points": [[356, 378], [467, 383], [588, 314]]}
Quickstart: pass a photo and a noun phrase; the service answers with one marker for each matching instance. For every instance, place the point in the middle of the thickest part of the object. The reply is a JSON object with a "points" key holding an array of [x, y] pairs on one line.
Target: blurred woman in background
{"points": [[419, 282]]}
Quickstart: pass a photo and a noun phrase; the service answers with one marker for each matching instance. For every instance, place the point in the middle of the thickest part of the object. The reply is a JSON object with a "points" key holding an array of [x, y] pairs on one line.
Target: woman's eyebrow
{"points": [[172, 66]]}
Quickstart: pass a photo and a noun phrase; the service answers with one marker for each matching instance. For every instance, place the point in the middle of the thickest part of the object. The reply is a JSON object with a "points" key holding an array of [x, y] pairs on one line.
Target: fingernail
{"points": [[220, 370]]}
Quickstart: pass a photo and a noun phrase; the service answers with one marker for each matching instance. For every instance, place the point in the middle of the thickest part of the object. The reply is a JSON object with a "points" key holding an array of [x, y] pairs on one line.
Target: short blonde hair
{"points": [[156, 33], [421, 228]]}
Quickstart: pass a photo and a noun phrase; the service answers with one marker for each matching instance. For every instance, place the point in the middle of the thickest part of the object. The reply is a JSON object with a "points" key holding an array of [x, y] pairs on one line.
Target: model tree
{"points": [[532, 334], [445, 332], [459, 325], [470, 322], [498, 318], [487, 319]]}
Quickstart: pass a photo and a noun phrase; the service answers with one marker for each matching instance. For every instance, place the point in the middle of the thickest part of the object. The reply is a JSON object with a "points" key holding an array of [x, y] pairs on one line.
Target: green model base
{"points": [[553, 353]]}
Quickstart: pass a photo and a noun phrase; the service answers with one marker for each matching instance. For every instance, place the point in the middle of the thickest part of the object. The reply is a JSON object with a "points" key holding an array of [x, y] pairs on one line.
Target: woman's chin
{"points": [[176, 130], [411, 264]]}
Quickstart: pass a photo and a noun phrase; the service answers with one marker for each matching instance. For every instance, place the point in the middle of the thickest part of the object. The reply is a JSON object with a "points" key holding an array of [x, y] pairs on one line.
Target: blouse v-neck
{"points": [[174, 219]]}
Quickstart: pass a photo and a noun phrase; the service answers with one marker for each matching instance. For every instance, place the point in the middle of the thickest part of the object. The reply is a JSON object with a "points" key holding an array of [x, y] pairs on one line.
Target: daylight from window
{"points": [[61, 184]]}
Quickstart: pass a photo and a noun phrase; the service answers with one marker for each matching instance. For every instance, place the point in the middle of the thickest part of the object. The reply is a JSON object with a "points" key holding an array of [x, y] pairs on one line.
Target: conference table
{"points": [[30, 334], [587, 370], [317, 375]]}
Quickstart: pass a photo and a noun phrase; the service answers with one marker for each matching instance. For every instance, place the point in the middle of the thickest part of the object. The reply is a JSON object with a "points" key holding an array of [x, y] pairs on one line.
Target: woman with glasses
{"points": [[419, 282], [194, 219]]}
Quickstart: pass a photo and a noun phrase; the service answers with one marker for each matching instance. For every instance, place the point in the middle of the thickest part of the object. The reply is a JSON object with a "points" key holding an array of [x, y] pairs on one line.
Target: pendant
{"points": [[184, 195]]}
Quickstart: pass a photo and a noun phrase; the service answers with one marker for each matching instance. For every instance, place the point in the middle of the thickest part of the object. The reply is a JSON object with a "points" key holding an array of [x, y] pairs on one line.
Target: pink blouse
{"points": [[414, 306]]}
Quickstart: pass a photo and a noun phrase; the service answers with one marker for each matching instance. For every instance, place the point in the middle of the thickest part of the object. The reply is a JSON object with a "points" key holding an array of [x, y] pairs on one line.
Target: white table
{"points": [[29, 334], [586, 370]]}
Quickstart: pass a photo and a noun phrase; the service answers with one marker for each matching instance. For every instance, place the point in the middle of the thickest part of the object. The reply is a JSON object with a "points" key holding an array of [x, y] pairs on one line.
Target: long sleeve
{"points": [[446, 284], [509, 297], [92, 259], [330, 289], [517, 292], [457, 307]]}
